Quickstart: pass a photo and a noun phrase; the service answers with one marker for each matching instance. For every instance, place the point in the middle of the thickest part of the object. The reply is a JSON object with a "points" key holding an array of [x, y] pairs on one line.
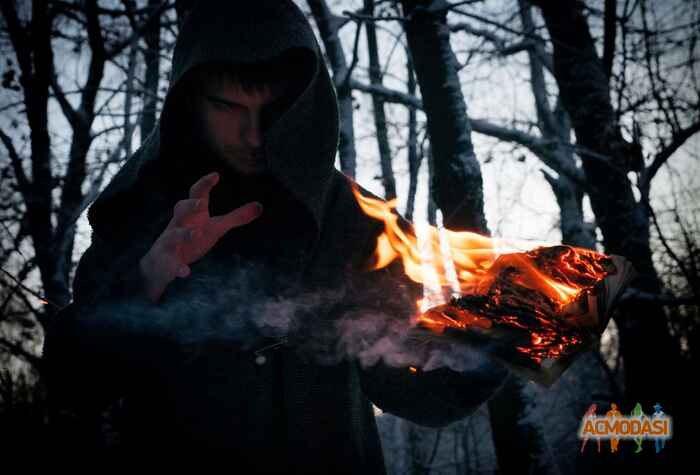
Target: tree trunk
{"points": [[328, 25], [556, 128], [432, 207], [518, 446], [458, 192], [375, 77], [414, 159], [152, 60]]}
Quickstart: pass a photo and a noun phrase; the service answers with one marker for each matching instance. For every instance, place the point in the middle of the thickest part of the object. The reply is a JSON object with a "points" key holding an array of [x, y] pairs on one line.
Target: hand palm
{"points": [[190, 235]]}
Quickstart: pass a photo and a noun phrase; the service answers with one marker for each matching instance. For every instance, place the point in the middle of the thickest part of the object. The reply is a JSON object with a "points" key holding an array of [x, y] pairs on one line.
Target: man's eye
{"points": [[221, 105]]}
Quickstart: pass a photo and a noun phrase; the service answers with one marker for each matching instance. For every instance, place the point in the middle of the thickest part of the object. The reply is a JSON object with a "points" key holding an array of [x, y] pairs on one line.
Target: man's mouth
{"points": [[254, 160], [246, 158]]}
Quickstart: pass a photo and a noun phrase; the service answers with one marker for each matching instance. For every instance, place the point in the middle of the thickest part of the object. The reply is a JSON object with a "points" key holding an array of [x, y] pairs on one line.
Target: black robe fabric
{"points": [[198, 371]]}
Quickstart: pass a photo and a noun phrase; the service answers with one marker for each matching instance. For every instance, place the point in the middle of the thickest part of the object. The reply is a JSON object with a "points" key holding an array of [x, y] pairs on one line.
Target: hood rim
{"points": [[319, 82]]}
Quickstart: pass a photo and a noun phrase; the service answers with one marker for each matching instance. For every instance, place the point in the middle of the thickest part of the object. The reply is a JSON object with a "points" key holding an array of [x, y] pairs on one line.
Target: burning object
{"points": [[534, 310]]}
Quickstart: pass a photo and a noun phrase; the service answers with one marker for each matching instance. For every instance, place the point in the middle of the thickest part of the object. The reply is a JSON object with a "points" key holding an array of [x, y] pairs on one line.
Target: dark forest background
{"points": [[445, 105]]}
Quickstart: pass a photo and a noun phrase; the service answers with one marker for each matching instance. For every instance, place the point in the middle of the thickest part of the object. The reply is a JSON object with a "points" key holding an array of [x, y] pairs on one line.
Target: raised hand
{"points": [[189, 236]]}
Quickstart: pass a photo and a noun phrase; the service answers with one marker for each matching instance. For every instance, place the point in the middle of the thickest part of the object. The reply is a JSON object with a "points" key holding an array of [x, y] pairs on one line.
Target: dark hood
{"points": [[300, 144]]}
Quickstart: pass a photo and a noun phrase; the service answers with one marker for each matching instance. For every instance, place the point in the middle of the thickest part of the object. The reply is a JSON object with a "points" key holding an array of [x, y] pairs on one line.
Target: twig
{"points": [[17, 350], [431, 460], [30, 291], [670, 251], [362, 17], [346, 80]]}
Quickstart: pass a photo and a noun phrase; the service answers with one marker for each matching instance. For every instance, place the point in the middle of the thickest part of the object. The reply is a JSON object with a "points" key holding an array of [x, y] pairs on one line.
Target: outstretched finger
{"points": [[233, 219], [201, 189]]}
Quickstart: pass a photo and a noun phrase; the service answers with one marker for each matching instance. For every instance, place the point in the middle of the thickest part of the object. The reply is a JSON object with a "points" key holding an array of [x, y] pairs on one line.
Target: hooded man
{"points": [[226, 256]]}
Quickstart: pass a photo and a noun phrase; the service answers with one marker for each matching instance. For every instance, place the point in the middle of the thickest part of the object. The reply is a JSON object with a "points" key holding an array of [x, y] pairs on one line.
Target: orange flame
{"points": [[472, 254], [473, 257]]}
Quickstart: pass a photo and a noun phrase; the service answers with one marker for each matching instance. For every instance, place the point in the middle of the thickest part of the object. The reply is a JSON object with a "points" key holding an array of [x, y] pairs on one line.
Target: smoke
{"points": [[233, 308], [374, 336]]}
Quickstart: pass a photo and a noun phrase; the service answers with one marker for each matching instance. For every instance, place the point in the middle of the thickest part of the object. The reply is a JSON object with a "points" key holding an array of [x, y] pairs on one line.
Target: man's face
{"points": [[231, 122]]}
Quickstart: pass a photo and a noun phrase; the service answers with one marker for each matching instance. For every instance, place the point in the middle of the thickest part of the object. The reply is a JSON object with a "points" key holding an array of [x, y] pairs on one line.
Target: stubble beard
{"points": [[243, 162]]}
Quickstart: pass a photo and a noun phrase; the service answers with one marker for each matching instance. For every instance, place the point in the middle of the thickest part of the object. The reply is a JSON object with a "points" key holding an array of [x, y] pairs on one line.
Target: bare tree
{"points": [[607, 159], [56, 158]]}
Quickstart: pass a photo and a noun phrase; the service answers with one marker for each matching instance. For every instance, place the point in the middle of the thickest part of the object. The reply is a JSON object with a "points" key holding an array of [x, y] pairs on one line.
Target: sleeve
{"points": [[84, 366], [432, 398]]}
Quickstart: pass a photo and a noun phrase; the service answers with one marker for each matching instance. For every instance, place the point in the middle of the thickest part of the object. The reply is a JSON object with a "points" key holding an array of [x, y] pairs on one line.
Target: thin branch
{"points": [[27, 267], [362, 17], [664, 242], [488, 21], [18, 37], [18, 350], [346, 80], [138, 32], [28, 290], [501, 44], [546, 119], [664, 154], [388, 94], [111, 12], [73, 117], [22, 180], [609, 36], [537, 145]]}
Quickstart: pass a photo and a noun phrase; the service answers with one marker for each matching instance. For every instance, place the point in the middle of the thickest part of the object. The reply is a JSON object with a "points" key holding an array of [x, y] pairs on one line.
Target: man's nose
{"points": [[253, 133]]}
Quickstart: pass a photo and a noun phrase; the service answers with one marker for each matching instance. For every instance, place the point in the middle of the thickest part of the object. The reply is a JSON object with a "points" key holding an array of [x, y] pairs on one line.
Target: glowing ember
{"points": [[529, 308]]}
